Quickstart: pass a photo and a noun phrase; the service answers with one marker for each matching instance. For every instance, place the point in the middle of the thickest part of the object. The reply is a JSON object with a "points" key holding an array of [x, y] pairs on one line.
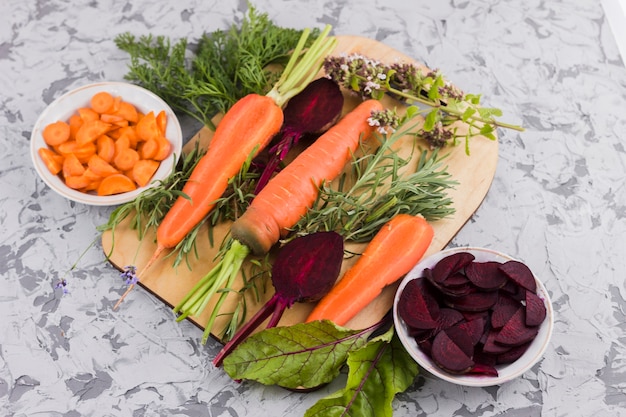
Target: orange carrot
{"points": [[127, 111], [88, 114], [247, 126], [72, 166], [144, 170], [56, 133], [52, 160], [105, 148], [288, 196], [393, 251], [115, 184], [102, 102], [91, 130], [101, 167], [126, 159]]}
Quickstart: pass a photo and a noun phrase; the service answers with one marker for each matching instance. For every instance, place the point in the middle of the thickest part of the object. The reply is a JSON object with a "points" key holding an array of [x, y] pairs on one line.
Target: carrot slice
{"points": [[161, 120], [56, 133], [102, 102], [83, 153], [88, 114], [148, 149], [115, 184], [164, 148], [101, 167], [126, 159], [105, 146], [72, 166], [52, 160], [91, 130], [144, 170], [127, 111], [111, 118], [77, 182], [75, 122], [147, 127]]}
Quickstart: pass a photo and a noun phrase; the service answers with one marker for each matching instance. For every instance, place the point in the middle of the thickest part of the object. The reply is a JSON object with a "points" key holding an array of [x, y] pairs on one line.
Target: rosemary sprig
{"points": [[380, 189], [223, 66], [445, 104]]}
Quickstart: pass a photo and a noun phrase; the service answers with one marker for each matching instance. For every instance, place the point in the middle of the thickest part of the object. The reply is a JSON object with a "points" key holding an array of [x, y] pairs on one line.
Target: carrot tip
{"points": [[128, 290]]}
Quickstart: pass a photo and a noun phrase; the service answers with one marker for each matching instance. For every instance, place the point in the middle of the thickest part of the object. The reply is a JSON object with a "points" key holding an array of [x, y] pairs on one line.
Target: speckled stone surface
{"points": [[558, 202]]}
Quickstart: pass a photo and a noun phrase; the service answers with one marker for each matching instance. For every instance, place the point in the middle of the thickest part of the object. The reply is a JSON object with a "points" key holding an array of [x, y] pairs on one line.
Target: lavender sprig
{"points": [[406, 82]]}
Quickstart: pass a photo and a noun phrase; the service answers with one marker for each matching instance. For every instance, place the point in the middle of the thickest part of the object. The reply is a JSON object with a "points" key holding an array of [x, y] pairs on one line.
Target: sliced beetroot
{"points": [[461, 338], [474, 301], [512, 354], [483, 369], [515, 332], [451, 264], [520, 274], [418, 306], [513, 290], [449, 356], [450, 290], [458, 279], [503, 310], [448, 317], [491, 346], [474, 328], [486, 275], [473, 315], [535, 309]]}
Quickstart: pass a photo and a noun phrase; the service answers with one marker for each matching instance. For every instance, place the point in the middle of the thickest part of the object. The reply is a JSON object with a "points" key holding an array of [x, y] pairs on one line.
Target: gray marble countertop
{"points": [[558, 202]]}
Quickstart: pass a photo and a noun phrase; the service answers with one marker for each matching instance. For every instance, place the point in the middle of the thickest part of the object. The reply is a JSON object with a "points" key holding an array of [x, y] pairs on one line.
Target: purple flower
{"points": [[62, 284], [129, 274]]}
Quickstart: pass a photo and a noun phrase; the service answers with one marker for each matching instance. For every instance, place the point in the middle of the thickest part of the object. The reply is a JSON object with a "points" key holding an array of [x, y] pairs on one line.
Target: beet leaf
{"points": [[304, 355], [377, 372]]}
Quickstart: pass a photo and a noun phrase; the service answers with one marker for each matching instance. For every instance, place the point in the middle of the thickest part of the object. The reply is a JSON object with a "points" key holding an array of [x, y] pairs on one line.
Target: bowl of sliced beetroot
{"points": [[473, 316]]}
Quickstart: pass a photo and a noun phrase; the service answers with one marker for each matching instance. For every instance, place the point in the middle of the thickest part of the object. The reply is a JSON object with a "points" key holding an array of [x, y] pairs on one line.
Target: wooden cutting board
{"points": [[473, 173]]}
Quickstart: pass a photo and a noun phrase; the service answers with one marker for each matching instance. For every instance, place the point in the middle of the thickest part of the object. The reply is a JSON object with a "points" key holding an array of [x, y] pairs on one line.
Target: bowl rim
{"points": [[524, 363], [173, 133]]}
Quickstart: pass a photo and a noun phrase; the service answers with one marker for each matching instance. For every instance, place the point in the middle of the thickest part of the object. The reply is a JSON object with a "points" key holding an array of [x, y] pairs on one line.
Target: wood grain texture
{"points": [[473, 173]]}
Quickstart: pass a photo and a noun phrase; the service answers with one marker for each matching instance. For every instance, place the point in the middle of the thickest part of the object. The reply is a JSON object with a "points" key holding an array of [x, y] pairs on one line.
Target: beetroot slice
{"points": [[520, 274], [451, 290], [486, 275], [449, 356], [503, 310], [535, 309], [515, 332], [491, 346], [483, 369], [451, 264], [417, 305], [474, 328], [474, 301], [512, 354]]}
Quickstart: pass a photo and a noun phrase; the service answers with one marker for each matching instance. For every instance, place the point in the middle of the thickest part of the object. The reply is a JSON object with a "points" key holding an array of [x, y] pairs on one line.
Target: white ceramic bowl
{"points": [[505, 372], [66, 105]]}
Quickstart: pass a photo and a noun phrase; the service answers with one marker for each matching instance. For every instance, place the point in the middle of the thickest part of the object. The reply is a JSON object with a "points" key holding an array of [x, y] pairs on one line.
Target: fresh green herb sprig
{"points": [[223, 67], [380, 189], [445, 103]]}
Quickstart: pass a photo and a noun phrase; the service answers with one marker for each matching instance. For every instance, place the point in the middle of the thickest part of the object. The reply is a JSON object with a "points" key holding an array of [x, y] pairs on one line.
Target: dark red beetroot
{"points": [[515, 332], [305, 269], [418, 306], [452, 355], [310, 112], [503, 310], [535, 309], [451, 264], [486, 275], [520, 274], [500, 311]]}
